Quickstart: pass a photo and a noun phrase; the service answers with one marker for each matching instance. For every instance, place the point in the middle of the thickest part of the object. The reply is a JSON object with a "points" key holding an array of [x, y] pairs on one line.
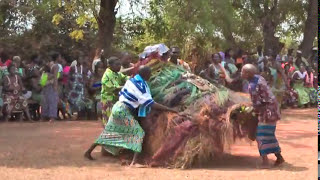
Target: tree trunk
{"points": [[270, 41], [231, 42], [310, 29], [106, 23]]}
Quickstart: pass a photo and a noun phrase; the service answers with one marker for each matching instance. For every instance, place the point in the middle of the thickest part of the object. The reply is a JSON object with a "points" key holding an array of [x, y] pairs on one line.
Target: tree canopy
{"points": [[68, 25]]}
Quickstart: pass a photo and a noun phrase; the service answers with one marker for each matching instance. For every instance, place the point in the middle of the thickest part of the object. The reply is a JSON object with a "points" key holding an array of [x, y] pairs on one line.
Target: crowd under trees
{"points": [[28, 26]]}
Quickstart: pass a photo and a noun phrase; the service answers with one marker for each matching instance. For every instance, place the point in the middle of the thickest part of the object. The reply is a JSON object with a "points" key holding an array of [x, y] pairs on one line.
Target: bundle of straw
{"points": [[213, 119]]}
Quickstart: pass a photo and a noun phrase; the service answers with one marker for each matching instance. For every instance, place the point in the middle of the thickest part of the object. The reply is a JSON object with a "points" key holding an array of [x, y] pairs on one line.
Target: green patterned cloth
{"points": [[121, 131], [312, 94], [302, 91], [111, 81]]}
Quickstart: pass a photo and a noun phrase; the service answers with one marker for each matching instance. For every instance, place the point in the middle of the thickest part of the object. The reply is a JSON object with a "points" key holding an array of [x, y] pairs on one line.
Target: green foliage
{"points": [[206, 25], [77, 35], [56, 19]]}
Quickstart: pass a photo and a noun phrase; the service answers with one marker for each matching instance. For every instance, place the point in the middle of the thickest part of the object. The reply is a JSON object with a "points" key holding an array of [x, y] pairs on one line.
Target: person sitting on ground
{"points": [[298, 80], [174, 58], [112, 81], [123, 130], [267, 109], [13, 100]]}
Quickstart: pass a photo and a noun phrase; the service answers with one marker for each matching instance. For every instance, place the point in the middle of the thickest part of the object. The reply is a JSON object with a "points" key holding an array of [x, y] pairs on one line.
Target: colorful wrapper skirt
{"points": [[312, 94], [106, 108], [266, 139], [122, 131]]}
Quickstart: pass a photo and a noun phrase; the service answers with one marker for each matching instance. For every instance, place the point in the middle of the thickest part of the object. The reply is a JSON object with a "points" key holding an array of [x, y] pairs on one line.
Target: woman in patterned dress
{"points": [[13, 100], [77, 81], [112, 82], [123, 130], [298, 79]]}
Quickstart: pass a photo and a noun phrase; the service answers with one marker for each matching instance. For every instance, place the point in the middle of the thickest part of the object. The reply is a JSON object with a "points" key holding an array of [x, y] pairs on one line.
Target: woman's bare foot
{"points": [[88, 156], [136, 165], [279, 161], [51, 120], [265, 163]]}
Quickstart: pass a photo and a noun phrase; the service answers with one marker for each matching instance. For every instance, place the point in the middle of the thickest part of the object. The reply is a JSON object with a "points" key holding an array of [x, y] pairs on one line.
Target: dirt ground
{"points": [[55, 151]]}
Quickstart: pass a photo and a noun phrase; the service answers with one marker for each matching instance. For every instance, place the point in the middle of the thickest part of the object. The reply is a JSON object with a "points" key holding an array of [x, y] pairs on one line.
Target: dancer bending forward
{"points": [[122, 130]]}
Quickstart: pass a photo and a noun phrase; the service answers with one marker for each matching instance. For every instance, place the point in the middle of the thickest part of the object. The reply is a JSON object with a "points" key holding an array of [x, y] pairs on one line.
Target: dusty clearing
{"points": [[55, 151]]}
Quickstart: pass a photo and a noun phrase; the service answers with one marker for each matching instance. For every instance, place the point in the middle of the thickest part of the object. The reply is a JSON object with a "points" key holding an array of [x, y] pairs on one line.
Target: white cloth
{"points": [[159, 48], [131, 94], [301, 75], [74, 63], [60, 68], [94, 63]]}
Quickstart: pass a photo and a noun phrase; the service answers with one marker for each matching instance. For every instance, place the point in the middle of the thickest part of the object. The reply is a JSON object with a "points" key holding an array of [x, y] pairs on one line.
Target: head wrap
{"points": [[74, 63], [16, 58], [94, 63], [158, 48], [222, 55]]}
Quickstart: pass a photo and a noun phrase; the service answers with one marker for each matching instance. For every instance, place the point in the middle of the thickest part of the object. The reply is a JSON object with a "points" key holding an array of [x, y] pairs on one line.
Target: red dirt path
{"points": [[54, 151]]}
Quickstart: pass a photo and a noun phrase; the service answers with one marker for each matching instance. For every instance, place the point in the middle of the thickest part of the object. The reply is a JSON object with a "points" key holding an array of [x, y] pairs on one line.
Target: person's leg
{"points": [[265, 162], [53, 107], [8, 112], [135, 158], [135, 163], [87, 154], [279, 160], [44, 106], [27, 113]]}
